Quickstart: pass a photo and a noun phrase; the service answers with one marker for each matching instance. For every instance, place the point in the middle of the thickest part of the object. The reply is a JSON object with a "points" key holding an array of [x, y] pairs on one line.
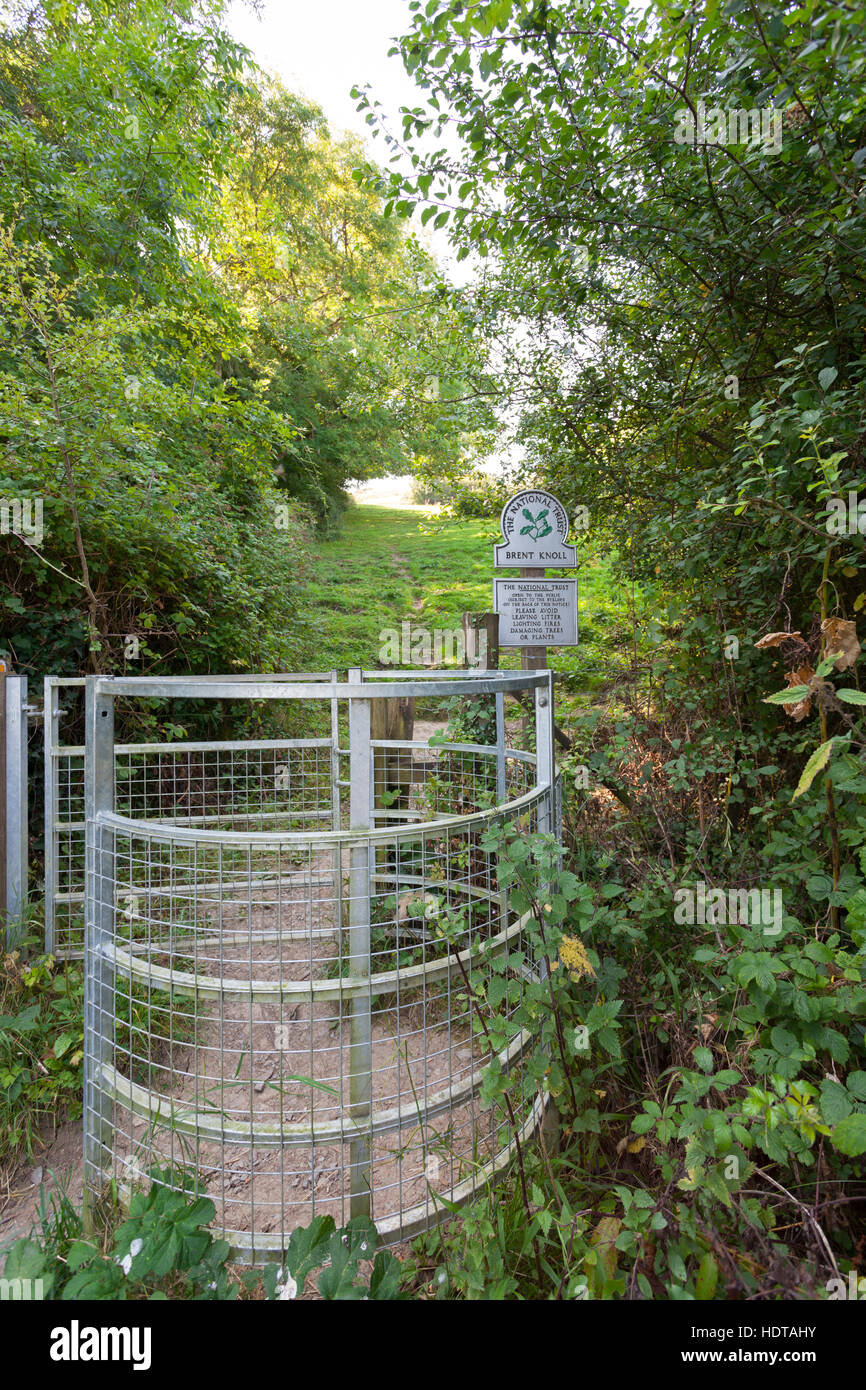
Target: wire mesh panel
{"points": [[283, 783], [275, 1009]]}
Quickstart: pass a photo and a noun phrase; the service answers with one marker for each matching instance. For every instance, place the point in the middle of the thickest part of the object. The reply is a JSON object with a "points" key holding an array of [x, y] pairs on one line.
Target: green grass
{"points": [[389, 565]]}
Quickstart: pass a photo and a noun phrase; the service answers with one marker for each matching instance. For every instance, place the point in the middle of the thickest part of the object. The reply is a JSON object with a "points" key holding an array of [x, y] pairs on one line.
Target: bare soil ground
{"points": [[59, 1167]]}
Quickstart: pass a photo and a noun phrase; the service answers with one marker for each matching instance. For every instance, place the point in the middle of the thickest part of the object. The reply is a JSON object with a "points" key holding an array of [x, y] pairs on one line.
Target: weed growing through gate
{"points": [[162, 1247], [525, 988]]}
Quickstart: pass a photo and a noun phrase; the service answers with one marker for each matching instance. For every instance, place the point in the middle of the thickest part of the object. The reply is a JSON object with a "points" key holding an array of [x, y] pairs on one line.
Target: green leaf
{"points": [[707, 1278], [783, 1041], [835, 1102], [23, 1022], [25, 1261], [716, 1184], [856, 1083], [308, 1247], [63, 1044], [385, 1277], [79, 1253], [849, 1135], [788, 697], [818, 760], [852, 697]]}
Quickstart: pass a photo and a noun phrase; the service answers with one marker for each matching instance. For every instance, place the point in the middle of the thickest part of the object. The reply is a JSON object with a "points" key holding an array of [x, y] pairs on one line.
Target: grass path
{"points": [[389, 564]]}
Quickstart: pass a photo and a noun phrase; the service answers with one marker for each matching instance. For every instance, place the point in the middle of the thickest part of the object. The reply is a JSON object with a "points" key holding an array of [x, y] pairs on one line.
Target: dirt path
{"points": [[58, 1167], [402, 567]]}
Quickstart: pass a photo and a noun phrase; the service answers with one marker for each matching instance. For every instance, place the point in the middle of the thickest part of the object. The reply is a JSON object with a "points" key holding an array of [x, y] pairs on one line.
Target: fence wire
{"points": [[237, 1031]]}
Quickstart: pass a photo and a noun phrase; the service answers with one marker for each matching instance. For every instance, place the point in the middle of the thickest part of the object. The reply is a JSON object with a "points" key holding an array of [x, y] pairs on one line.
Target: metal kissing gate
{"points": [[269, 1004]]}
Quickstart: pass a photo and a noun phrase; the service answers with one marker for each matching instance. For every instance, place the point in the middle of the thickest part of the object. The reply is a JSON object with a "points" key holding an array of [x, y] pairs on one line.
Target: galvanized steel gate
{"points": [[271, 1007], [138, 768]]}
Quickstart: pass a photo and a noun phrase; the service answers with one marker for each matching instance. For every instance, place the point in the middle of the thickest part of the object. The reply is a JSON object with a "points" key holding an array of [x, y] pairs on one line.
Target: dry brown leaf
{"points": [[603, 1240], [799, 708], [801, 675], [775, 639], [630, 1143], [841, 636]]}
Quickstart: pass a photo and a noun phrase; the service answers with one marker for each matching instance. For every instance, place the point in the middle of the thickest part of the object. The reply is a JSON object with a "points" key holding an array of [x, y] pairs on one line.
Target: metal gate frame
{"points": [[360, 838], [14, 809], [61, 759]]}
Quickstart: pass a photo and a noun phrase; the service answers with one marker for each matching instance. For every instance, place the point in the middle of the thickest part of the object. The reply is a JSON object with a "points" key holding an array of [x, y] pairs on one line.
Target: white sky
{"points": [[324, 47]]}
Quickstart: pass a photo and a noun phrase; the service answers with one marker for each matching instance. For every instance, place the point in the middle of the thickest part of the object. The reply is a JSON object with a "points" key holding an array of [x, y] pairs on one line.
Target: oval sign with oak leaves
{"points": [[534, 532]]}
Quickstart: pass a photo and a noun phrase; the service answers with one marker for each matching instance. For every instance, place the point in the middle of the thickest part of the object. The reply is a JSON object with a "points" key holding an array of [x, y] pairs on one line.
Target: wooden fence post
{"points": [[392, 767], [481, 640]]}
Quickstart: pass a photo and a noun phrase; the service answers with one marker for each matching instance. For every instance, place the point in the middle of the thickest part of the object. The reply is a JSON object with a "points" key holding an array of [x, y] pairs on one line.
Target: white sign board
{"points": [[534, 533], [536, 612]]}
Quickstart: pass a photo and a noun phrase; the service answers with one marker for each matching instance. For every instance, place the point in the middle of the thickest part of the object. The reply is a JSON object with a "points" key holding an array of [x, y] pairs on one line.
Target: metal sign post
{"points": [[13, 796]]}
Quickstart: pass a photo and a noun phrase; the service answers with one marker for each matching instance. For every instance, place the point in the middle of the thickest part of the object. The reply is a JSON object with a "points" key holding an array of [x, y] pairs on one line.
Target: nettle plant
{"points": [[775, 1075], [808, 687], [553, 1005], [41, 1047]]}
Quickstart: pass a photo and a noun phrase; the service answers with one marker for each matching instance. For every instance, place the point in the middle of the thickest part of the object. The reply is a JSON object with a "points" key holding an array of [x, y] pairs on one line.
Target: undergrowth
{"points": [[161, 1247]]}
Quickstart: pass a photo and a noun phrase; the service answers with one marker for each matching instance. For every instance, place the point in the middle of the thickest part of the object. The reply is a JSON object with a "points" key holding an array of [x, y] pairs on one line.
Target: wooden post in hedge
{"points": [[481, 640], [392, 767]]}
